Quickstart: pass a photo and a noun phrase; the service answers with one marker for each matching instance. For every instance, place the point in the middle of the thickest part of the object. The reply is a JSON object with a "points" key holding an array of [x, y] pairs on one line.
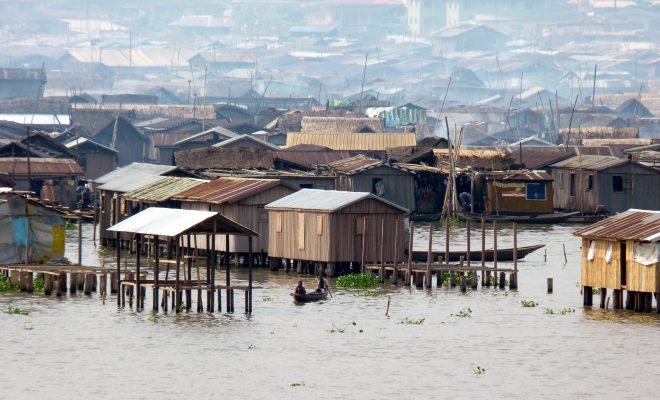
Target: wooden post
{"points": [[485, 280], [588, 296], [138, 260], [616, 299], [469, 231], [382, 250], [73, 283], [79, 239], [118, 281], [227, 273], [61, 284], [495, 253], [603, 296], [550, 285], [103, 282], [410, 255], [447, 258], [48, 284], [630, 300], [156, 286], [502, 280], [87, 289], [463, 282], [429, 257], [177, 284], [513, 278], [29, 282], [364, 243], [395, 272], [438, 274], [249, 292]]}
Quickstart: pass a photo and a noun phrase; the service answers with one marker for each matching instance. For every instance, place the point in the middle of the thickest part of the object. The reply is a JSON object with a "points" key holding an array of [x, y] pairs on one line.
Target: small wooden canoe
{"points": [[310, 297], [504, 254], [522, 219]]}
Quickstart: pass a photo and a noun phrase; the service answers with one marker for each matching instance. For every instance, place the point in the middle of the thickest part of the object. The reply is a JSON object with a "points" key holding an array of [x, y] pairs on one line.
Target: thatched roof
{"points": [[221, 158], [597, 132], [494, 160], [353, 141], [341, 124]]}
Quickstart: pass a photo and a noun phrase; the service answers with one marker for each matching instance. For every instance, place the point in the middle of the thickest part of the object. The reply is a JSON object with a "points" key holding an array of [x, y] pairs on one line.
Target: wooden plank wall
{"points": [[584, 200], [288, 229], [519, 205], [597, 272], [641, 278], [399, 185]]}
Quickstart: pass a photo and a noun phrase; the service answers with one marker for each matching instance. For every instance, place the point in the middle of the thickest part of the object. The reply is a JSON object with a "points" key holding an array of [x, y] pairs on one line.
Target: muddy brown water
{"points": [[78, 347]]}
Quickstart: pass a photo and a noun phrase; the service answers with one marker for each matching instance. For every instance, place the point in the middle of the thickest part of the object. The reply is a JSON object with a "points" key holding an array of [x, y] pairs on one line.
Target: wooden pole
{"points": [[429, 257], [447, 241], [118, 246], [156, 271], [79, 239], [513, 284], [364, 243], [410, 255], [227, 274], [138, 252], [469, 234], [395, 272], [177, 285], [382, 250], [495, 253], [484, 280], [249, 310]]}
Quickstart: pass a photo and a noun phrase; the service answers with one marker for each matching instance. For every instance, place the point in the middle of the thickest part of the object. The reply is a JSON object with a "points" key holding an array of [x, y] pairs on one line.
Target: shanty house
{"points": [[328, 226], [353, 141], [365, 174], [587, 183], [623, 252], [119, 134], [526, 192], [243, 201], [158, 193], [113, 184], [95, 158]]}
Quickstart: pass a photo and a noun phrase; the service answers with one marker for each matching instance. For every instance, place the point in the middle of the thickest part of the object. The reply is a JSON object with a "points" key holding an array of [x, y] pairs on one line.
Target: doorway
{"points": [[622, 256]]}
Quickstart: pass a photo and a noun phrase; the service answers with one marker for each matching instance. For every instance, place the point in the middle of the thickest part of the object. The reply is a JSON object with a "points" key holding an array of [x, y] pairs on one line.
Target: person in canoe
{"points": [[300, 289], [323, 284]]}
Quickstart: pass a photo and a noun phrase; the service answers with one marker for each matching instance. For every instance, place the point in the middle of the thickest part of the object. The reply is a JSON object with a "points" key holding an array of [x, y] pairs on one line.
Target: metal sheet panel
{"points": [[323, 200], [173, 222], [594, 163], [42, 167], [163, 189], [226, 190], [642, 225]]}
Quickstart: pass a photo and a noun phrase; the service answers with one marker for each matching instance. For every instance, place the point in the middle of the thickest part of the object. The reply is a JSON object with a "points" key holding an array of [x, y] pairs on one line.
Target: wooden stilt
{"points": [[410, 255], [495, 253], [438, 274], [588, 296], [603, 296], [616, 299], [550, 285], [48, 284], [429, 258], [513, 277], [485, 279], [61, 284]]}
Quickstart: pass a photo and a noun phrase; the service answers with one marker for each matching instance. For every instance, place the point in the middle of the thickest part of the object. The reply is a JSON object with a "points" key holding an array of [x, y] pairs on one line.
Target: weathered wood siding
{"points": [[598, 272], [645, 192], [399, 185], [497, 202], [583, 199], [248, 212], [639, 277], [98, 164], [337, 237]]}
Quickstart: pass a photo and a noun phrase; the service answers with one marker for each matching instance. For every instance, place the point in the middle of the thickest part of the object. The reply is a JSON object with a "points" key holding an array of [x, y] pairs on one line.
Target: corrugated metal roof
{"points": [[353, 141], [593, 163], [173, 222], [355, 164], [163, 189], [324, 200], [641, 225], [309, 158], [520, 176], [240, 138], [135, 169], [40, 166], [227, 190], [37, 119], [81, 140]]}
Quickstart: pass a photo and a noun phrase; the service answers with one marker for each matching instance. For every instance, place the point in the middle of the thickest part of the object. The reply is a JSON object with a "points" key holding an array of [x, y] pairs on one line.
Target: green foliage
{"points": [[367, 293], [410, 321], [479, 371], [529, 303], [549, 311], [596, 290], [266, 298], [358, 281], [495, 281], [69, 226], [17, 311], [38, 284], [563, 311], [464, 313], [6, 286]]}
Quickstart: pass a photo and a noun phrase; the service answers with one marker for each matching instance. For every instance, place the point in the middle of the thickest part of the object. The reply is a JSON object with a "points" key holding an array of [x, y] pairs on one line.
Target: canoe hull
{"points": [[522, 219], [505, 254], [309, 297]]}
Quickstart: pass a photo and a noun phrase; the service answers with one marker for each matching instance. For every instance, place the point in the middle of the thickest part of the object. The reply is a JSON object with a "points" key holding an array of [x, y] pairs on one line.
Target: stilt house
{"points": [[243, 201], [622, 253], [334, 227]]}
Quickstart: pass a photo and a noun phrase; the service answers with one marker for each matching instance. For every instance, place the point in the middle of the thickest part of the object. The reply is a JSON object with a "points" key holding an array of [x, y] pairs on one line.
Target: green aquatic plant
{"points": [[367, 293], [38, 284], [28, 326], [358, 281], [7, 286], [69, 226], [297, 384], [410, 321], [464, 313], [549, 311], [17, 311], [605, 317], [567, 310], [596, 290], [529, 303], [479, 371], [266, 298]]}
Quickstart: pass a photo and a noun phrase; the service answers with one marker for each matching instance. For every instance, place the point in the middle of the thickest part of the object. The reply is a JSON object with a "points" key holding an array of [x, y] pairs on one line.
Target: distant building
{"points": [[18, 82]]}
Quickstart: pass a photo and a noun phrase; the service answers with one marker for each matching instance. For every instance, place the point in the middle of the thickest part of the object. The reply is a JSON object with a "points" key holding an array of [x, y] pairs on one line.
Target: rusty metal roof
{"points": [[519, 176], [162, 189], [641, 225], [228, 190], [40, 167], [590, 162], [355, 164], [309, 158], [325, 200]]}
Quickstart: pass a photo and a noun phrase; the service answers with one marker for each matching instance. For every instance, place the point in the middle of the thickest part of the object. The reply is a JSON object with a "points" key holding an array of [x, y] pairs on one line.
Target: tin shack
{"points": [[511, 192], [334, 228], [622, 253]]}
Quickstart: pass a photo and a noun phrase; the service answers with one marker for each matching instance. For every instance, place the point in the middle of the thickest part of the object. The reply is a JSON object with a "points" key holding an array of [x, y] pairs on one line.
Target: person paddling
{"points": [[300, 289]]}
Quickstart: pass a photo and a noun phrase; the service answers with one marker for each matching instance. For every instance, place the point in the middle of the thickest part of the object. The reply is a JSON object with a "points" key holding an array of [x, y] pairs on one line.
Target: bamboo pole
{"points": [[429, 257], [513, 284]]}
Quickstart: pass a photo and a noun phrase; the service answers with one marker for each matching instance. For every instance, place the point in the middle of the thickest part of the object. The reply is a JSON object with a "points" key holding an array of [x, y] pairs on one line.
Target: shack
{"points": [[622, 253], [243, 201], [592, 183], [29, 228], [518, 192], [365, 174], [335, 229], [95, 158], [158, 193]]}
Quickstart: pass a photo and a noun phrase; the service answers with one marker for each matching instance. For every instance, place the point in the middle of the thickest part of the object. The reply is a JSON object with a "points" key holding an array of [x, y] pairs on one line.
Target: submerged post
{"points": [[156, 286], [513, 284], [177, 285], [118, 268], [495, 253], [429, 257], [79, 238], [249, 309], [410, 255], [364, 243], [227, 274], [138, 290], [485, 278]]}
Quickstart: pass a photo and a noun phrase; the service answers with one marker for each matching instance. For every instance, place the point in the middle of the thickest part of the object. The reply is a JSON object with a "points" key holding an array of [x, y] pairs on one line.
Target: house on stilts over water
{"points": [[622, 253]]}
